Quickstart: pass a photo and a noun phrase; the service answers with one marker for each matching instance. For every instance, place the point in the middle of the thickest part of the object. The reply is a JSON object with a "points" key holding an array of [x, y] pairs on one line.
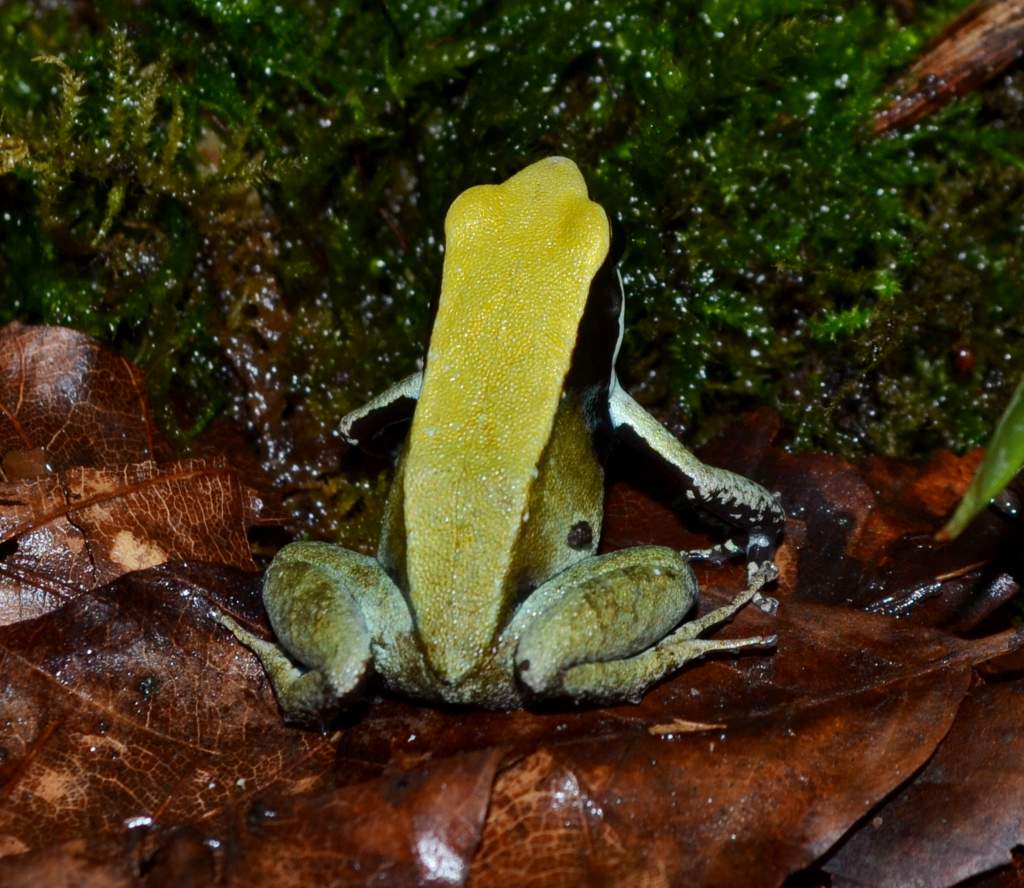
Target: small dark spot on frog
{"points": [[524, 666], [102, 726], [581, 535], [147, 685], [3, 754]]}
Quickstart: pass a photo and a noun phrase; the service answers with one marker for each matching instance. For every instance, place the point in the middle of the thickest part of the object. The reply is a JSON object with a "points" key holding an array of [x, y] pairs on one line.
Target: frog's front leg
{"points": [[734, 499], [396, 405], [606, 628], [333, 612]]}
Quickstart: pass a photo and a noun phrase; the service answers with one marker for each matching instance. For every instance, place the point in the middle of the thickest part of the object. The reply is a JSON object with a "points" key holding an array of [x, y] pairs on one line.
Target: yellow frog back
{"points": [[520, 258]]}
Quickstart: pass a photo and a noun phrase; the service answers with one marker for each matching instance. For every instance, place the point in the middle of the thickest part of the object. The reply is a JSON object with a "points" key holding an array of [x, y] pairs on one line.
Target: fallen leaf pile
{"points": [[140, 744]]}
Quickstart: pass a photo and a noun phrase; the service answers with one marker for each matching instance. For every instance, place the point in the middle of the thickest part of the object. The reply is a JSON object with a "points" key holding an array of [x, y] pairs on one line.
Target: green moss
{"points": [[778, 253]]}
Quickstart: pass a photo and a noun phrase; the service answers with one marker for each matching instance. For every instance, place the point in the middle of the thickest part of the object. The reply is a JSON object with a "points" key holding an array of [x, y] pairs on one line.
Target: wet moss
{"points": [[867, 288]]}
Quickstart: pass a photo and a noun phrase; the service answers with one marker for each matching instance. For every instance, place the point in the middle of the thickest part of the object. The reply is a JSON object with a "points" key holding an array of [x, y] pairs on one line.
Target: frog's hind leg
{"points": [[302, 694], [603, 628], [634, 675], [322, 602]]}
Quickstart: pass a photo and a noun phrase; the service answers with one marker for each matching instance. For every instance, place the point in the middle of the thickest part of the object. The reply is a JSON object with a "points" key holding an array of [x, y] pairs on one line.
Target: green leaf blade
{"points": [[1003, 459]]}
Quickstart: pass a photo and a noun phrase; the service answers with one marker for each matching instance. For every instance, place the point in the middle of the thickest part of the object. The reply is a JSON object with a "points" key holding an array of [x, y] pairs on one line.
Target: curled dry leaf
{"points": [[141, 744], [83, 528]]}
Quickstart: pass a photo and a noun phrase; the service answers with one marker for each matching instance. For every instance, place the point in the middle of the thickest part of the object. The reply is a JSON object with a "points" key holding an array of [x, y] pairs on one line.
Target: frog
{"points": [[487, 588]]}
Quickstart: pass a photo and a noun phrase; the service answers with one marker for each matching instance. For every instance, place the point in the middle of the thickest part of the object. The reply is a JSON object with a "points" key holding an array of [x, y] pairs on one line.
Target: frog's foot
{"points": [[759, 575], [304, 695], [603, 629], [761, 569]]}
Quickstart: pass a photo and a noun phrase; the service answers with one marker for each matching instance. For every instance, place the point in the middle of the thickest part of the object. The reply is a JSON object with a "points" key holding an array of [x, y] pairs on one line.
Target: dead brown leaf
{"points": [[67, 526], [130, 709], [65, 401], [962, 814], [85, 527], [126, 708]]}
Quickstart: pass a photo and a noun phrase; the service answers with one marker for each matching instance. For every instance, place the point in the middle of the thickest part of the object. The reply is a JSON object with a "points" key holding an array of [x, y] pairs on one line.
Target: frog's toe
{"points": [[309, 697], [761, 573]]}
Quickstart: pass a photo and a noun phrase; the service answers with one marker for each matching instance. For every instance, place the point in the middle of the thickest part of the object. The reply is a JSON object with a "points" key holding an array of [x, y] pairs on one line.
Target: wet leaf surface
{"points": [[129, 699], [141, 744], [89, 491], [66, 402], [961, 815], [82, 528]]}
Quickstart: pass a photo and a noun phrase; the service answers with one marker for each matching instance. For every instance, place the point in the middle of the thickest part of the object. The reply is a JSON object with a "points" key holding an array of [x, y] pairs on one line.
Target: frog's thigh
{"points": [[361, 613], [312, 595], [603, 608]]}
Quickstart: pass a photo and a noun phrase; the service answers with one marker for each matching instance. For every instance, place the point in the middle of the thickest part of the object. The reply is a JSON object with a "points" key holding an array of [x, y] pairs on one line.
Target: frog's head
{"points": [[540, 214]]}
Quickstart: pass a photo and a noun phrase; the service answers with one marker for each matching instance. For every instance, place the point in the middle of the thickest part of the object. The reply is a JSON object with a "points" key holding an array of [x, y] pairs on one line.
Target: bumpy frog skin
{"points": [[487, 588]]}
